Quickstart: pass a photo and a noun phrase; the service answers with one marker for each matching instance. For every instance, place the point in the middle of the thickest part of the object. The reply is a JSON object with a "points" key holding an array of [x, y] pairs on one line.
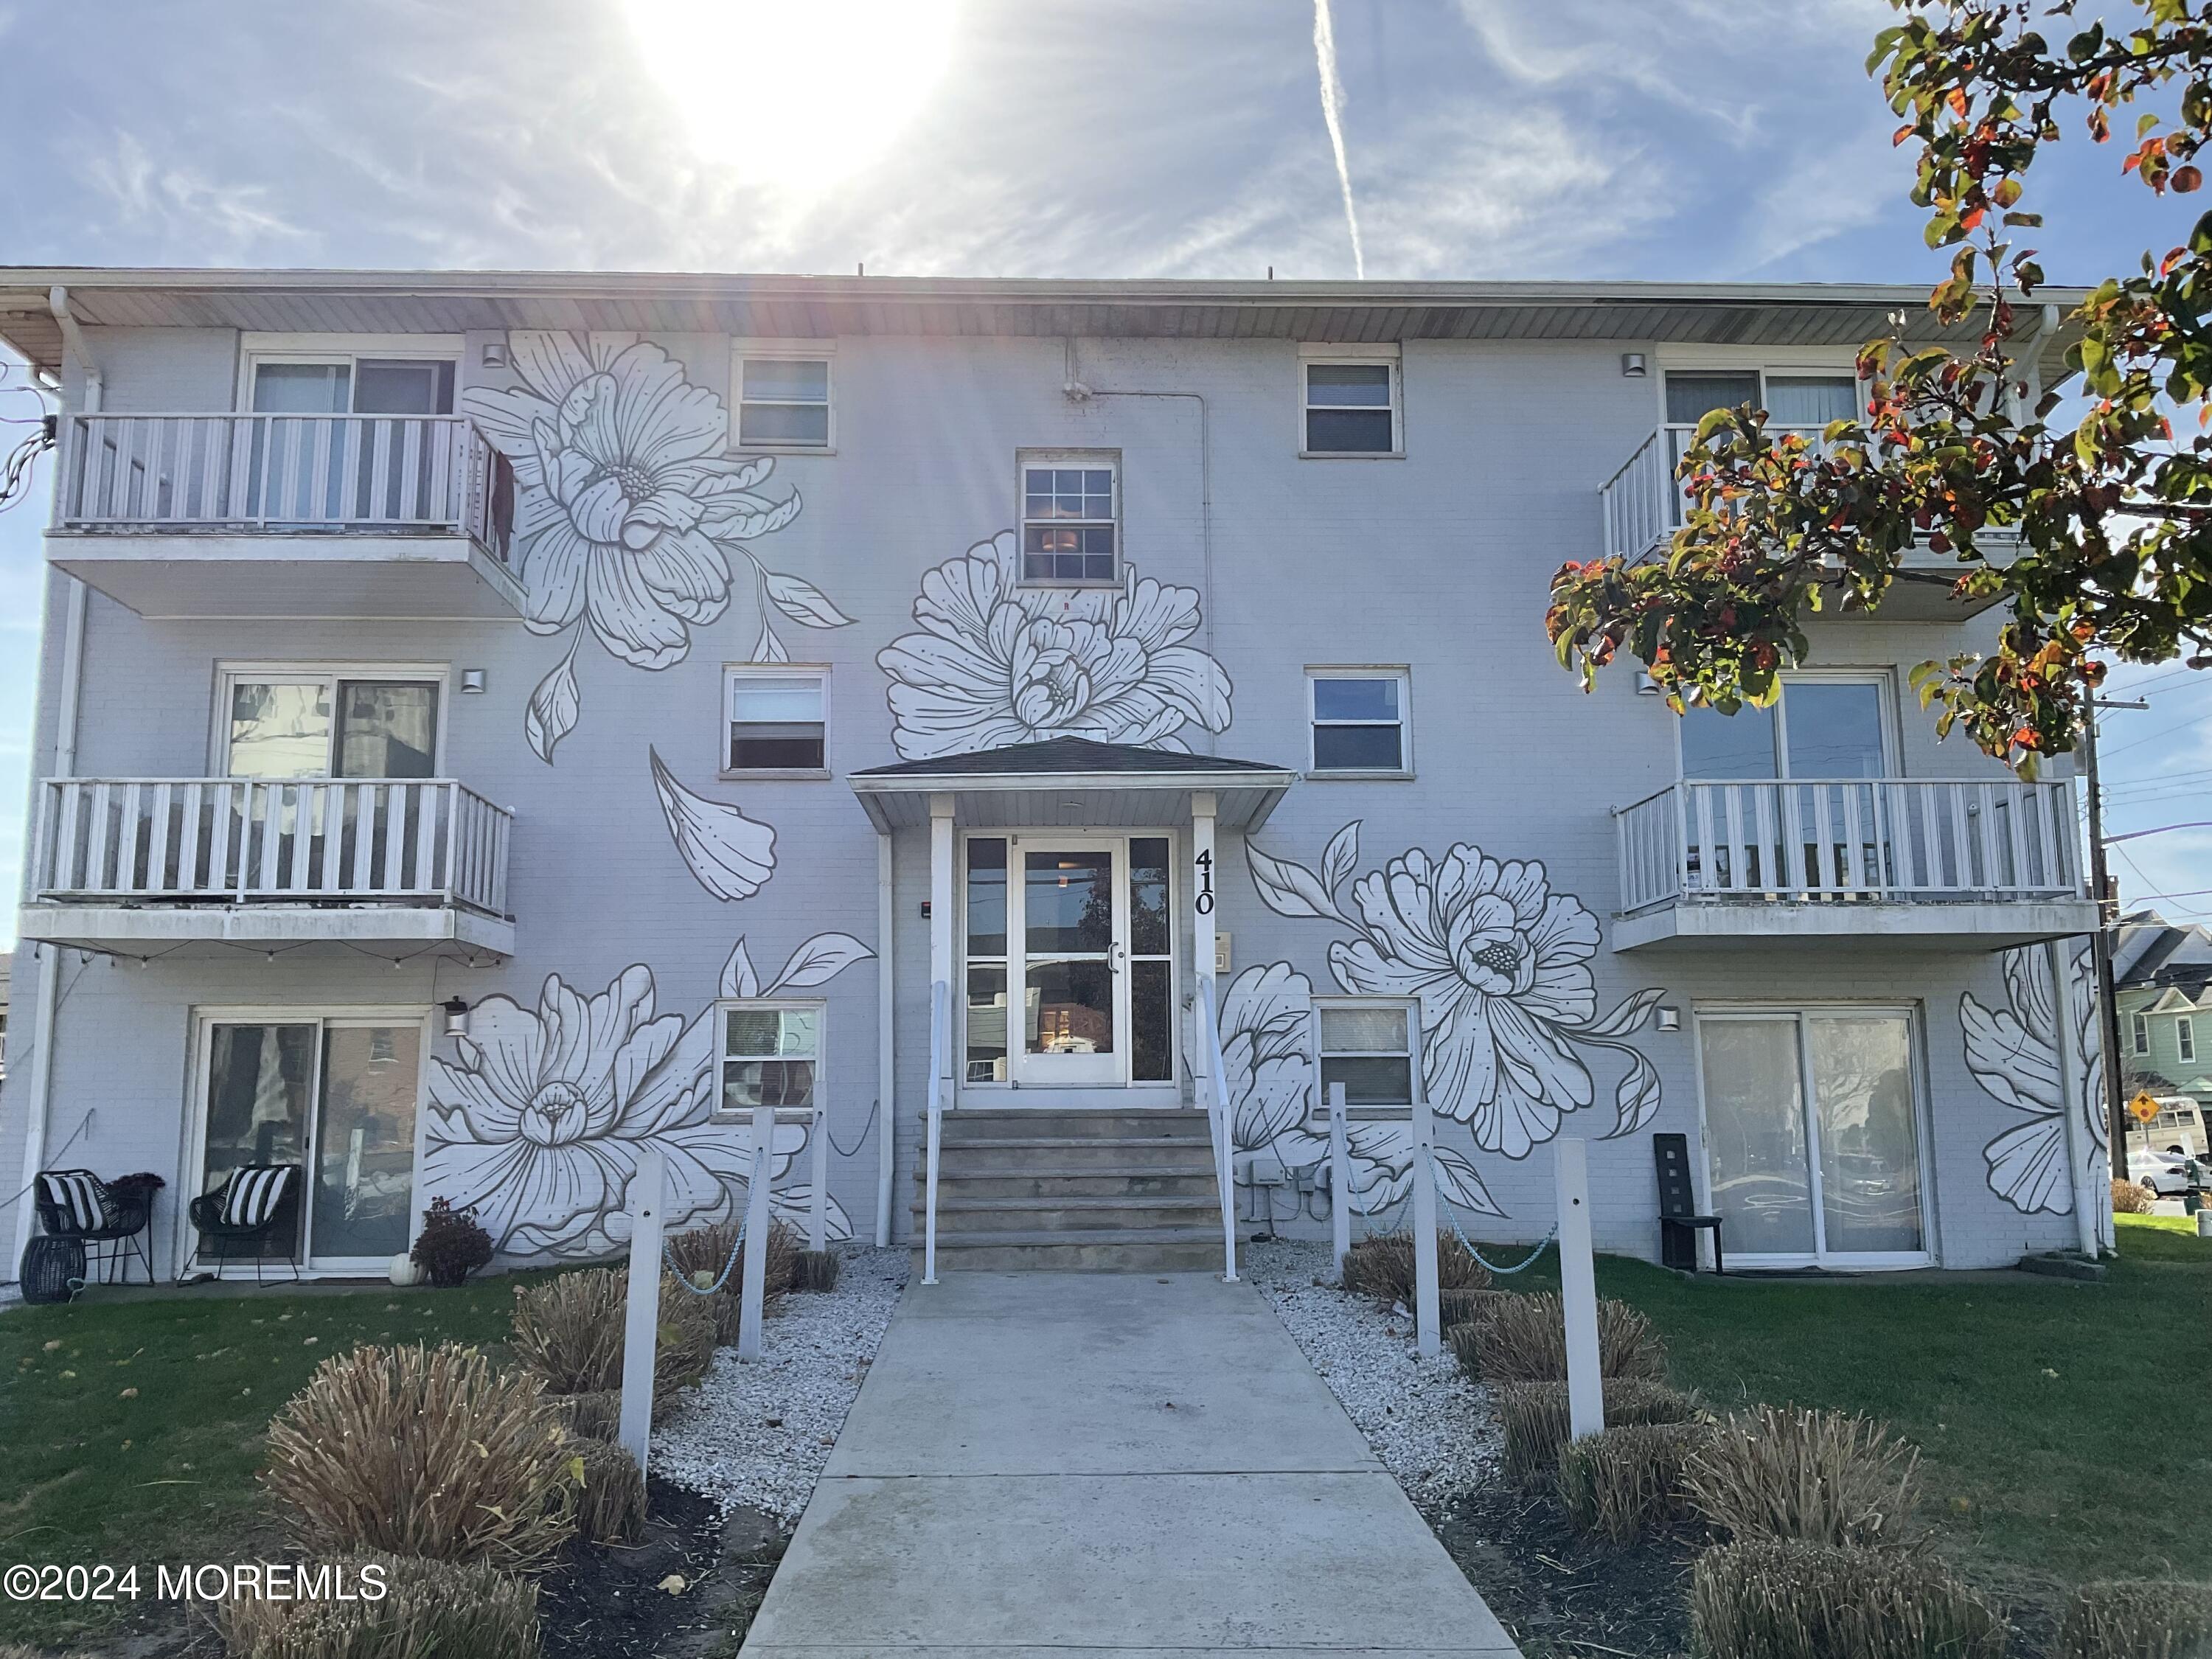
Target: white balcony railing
{"points": [[1897, 840], [1643, 502], [299, 840], [287, 474]]}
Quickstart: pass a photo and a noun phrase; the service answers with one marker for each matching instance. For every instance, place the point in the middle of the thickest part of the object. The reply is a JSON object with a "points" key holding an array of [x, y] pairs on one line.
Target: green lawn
{"points": [[131, 1432], [2060, 1424]]}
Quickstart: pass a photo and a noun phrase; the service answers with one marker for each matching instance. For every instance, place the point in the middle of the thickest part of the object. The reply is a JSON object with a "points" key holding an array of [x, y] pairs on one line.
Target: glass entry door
{"points": [[1069, 967], [1812, 1137], [335, 1098]]}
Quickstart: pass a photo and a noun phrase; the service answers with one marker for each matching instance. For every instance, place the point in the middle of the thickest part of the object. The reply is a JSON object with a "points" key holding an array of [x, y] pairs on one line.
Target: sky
{"points": [[1716, 140]]}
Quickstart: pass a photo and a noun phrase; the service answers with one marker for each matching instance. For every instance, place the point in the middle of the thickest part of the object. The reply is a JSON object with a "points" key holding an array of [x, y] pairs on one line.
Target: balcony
{"points": [[1895, 863], [1643, 504], [157, 867], [287, 516]]}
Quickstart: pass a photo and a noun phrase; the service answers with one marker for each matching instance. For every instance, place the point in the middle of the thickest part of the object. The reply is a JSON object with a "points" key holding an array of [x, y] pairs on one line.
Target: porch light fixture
{"points": [[1670, 1019], [1645, 685], [457, 1018], [1632, 365], [493, 355], [472, 680]]}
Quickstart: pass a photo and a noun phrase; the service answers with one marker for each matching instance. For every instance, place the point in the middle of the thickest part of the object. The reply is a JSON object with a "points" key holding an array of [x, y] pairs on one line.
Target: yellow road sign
{"points": [[2142, 1108]]}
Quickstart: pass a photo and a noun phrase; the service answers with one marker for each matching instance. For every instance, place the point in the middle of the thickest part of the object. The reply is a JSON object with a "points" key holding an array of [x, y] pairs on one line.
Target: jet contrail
{"points": [[1332, 112]]}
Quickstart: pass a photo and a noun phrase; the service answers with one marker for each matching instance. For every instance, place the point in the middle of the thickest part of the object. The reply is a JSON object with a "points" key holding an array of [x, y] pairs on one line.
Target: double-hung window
{"points": [[1359, 721], [771, 1054], [1350, 406], [2184, 1036], [2139, 1031], [778, 718], [783, 398], [1368, 1047], [1071, 518]]}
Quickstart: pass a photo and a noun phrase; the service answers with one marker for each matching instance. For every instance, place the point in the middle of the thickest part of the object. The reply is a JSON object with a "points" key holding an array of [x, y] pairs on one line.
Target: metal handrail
{"points": [[939, 1000], [1218, 1121]]}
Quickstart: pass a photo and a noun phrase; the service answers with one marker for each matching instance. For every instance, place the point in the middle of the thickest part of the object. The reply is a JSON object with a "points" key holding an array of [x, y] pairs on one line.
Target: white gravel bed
{"points": [[1432, 1427], [758, 1434]]}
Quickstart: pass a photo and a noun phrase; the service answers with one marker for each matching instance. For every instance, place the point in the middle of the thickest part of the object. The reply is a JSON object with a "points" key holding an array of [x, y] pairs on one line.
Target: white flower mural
{"points": [[1500, 965], [731, 855], [997, 662], [630, 515], [2013, 1052], [538, 1124]]}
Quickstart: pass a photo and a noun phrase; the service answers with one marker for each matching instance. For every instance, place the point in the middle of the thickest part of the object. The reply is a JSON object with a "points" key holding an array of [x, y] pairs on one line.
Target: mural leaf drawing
{"points": [[539, 1121], [629, 512], [731, 855], [997, 662], [739, 979], [1500, 967], [2013, 1052], [821, 958]]}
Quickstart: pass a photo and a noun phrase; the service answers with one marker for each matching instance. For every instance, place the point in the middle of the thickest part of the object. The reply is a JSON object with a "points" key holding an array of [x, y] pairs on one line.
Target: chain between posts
{"points": [[737, 1249]]}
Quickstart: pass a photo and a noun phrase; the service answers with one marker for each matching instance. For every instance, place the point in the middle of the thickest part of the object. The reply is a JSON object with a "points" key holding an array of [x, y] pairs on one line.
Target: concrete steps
{"points": [[1053, 1190]]}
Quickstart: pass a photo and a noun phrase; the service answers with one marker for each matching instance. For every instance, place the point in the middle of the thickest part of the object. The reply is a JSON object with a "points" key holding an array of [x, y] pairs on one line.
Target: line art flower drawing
{"points": [[997, 662], [539, 1122], [731, 856], [1500, 967], [629, 514], [2013, 1052]]}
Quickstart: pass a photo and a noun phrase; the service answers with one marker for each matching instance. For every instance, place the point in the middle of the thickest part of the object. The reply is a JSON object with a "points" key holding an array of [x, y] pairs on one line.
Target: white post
{"points": [[933, 1127], [886, 1066], [754, 1285], [817, 1210], [2072, 1135], [1205, 885], [1339, 1178], [641, 1314], [941, 907], [1579, 1289], [1428, 1339]]}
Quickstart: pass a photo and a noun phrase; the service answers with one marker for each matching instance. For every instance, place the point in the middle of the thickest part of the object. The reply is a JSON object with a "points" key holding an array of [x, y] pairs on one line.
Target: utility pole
{"points": [[2100, 945]]}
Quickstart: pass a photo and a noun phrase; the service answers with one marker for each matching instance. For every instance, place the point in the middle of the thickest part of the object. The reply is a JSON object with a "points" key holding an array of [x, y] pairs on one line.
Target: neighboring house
{"points": [[2162, 978], [489, 723]]}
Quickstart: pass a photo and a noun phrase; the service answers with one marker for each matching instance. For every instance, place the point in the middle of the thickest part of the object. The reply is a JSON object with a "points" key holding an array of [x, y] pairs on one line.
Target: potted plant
{"points": [[451, 1245]]}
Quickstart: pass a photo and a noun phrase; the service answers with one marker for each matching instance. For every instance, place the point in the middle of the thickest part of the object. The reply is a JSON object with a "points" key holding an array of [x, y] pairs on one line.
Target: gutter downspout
{"points": [[886, 1070], [46, 1016]]}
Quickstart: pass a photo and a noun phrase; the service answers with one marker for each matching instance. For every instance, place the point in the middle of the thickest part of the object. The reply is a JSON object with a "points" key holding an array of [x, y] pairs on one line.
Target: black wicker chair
{"points": [[257, 1207], [108, 1217]]}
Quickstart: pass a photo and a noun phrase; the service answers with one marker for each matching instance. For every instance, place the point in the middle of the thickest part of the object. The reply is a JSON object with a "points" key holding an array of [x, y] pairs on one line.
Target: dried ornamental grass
{"points": [[1382, 1267], [1829, 1478], [2132, 1198], [1537, 1423], [569, 1332], [1523, 1339], [1625, 1482], [422, 1451], [816, 1271], [428, 1607], [1781, 1598], [2137, 1619], [610, 1492], [596, 1415]]}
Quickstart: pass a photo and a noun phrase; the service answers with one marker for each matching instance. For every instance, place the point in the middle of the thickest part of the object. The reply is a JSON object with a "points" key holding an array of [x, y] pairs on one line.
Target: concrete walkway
{"points": [[1107, 1463]]}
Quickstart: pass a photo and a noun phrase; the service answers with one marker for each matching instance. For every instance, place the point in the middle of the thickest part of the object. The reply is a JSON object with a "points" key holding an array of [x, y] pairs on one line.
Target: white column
{"points": [[1339, 1179], [1578, 1288], [1205, 900], [817, 1201], [1428, 1339], [940, 889], [886, 1055], [753, 1285], [642, 1313], [2070, 1106]]}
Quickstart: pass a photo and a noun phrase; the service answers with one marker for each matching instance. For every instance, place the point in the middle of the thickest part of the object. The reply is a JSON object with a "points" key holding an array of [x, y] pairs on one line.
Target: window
{"points": [[1350, 408], [1790, 398], [2184, 1034], [342, 384], [783, 401], [1358, 721], [1367, 1047], [1823, 726], [308, 723], [1071, 519], [2139, 1031], [779, 719], [770, 1054]]}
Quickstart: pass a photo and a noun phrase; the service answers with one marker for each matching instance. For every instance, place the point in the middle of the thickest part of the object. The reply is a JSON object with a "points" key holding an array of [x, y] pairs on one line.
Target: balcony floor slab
{"points": [[150, 930], [1871, 925], [171, 576]]}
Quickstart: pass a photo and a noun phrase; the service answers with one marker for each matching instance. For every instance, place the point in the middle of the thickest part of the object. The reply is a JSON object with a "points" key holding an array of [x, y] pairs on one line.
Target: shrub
{"points": [[1523, 1339], [1627, 1480], [1382, 1267], [2132, 1198], [569, 1332], [428, 1607], [1536, 1424], [1464, 1307], [814, 1270], [594, 1415], [422, 1451], [1821, 1477], [706, 1251], [451, 1245], [1780, 1599], [610, 1492], [2137, 1619]]}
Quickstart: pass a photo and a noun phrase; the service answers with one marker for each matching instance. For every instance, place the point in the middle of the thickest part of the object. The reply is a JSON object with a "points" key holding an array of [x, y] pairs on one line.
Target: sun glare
{"points": [[795, 94]]}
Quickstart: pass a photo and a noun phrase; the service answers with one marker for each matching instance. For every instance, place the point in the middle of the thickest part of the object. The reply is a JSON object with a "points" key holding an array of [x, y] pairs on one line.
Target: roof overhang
{"points": [[1243, 797]]}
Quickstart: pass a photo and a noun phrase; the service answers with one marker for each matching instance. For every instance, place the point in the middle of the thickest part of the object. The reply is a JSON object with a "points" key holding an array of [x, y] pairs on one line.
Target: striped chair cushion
{"points": [[254, 1194], [76, 1196]]}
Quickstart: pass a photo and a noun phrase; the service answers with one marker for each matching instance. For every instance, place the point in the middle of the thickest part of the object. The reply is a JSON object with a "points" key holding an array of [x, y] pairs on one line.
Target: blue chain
{"points": [[1451, 1214], [736, 1249]]}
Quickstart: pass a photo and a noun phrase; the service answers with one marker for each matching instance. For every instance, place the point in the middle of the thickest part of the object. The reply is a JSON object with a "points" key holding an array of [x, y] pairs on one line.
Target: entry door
{"points": [[1812, 1137], [1073, 928]]}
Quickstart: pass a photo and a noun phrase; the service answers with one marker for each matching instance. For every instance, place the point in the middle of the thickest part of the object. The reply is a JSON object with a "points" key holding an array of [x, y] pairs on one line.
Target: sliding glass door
{"points": [[1812, 1136]]}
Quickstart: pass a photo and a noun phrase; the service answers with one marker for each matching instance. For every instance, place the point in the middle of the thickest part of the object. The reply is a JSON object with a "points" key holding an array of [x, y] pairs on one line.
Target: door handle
{"points": [[1115, 956]]}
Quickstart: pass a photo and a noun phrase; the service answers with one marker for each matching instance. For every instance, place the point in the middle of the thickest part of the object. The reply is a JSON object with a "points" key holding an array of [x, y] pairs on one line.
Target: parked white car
{"points": [[2167, 1172]]}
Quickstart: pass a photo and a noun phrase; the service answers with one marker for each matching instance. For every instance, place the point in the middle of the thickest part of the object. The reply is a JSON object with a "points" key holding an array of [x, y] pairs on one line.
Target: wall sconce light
{"points": [[1632, 365], [493, 355], [1670, 1019], [472, 680], [925, 909], [457, 1018], [1645, 685]]}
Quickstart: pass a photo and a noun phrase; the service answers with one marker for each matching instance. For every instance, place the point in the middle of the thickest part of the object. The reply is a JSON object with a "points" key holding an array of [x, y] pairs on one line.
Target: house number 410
{"points": [[1205, 900]]}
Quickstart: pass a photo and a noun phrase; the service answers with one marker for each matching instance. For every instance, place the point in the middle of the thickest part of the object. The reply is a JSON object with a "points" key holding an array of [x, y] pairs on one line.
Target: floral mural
{"points": [[1500, 967], [538, 1124], [630, 517], [997, 662], [731, 856], [2013, 1052]]}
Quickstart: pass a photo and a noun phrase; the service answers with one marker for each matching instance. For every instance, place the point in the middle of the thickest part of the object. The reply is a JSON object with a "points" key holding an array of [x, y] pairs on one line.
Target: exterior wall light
{"points": [[472, 680], [457, 1018], [1670, 1019], [493, 355], [1632, 365], [1645, 685]]}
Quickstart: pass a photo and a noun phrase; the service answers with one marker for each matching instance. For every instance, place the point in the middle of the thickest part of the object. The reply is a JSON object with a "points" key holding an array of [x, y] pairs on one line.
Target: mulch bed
{"points": [[1561, 1594]]}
